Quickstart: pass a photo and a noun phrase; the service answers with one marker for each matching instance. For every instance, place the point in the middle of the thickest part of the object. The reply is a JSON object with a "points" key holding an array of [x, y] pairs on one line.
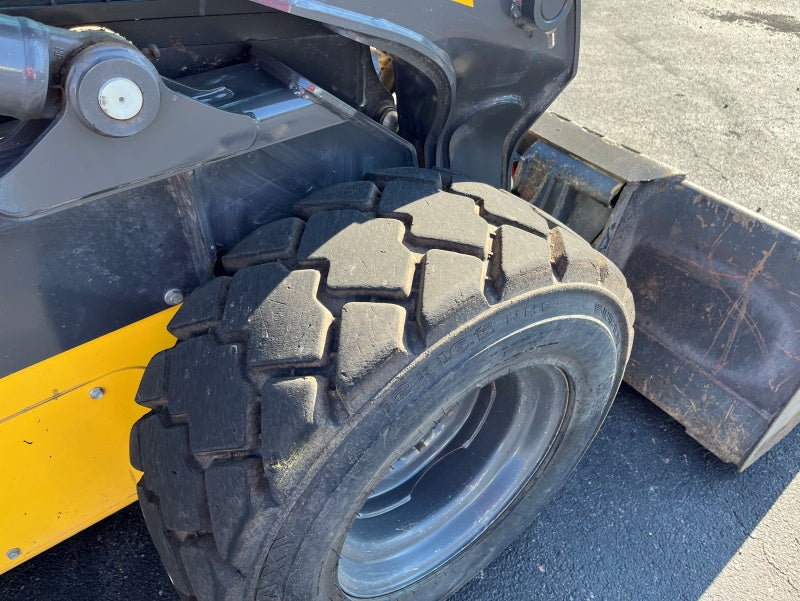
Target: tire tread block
{"points": [[452, 292], [343, 239], [135, 448], [574, 261], [152, 391], [520, 263], [271, 242], [216, 395], [172, 475], [241, 506], [359, 196], [211, 578], [279, 312], [167, 547], [201, 311], [431, 177], [207, 384], [288, 415], [461, 229], [500, 207], [370, 344], [450, 177]]}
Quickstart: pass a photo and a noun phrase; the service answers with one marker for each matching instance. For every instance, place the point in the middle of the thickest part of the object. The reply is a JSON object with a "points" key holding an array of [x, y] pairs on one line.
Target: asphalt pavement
{"points": [[713, 88]]}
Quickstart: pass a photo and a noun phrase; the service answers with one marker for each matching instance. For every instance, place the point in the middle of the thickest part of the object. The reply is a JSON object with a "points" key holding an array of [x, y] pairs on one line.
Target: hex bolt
{"points": [[97, 393], [173, 297], [14, 553], [120, 98]]}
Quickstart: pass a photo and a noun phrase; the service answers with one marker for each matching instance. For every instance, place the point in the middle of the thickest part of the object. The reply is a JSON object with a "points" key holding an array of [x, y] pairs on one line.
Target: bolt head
{"points": [[14, 553], [120, 98], [97, 393], [173, 297]]}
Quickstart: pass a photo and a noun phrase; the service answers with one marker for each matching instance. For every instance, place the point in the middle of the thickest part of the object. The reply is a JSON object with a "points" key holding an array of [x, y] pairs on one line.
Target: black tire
{"points": [[370, 369]]}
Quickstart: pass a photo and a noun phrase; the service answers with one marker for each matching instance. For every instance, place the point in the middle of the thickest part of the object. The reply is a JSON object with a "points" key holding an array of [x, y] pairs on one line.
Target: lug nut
{"points": [[120, 98], [97, 393], [14, 553]]}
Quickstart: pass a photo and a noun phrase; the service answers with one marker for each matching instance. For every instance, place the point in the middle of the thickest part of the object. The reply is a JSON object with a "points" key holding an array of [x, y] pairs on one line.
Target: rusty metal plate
{"points": [[717, 292]]}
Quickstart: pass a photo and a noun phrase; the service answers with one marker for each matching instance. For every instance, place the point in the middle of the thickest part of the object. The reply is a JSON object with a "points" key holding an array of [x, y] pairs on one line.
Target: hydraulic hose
{"points": [[31, 55]]}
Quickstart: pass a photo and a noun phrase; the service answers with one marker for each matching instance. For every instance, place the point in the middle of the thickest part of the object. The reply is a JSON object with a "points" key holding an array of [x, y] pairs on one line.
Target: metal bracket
{"points": [[184, 133]]}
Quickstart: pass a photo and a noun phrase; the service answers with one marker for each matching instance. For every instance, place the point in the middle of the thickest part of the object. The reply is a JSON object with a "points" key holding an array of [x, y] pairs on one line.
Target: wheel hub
{"points": [[453, 482]]}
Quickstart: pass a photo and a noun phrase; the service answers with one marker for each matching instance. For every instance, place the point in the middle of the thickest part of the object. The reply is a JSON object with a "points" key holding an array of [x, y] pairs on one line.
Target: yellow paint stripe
{"points": [[63, 455], [469, 3]]}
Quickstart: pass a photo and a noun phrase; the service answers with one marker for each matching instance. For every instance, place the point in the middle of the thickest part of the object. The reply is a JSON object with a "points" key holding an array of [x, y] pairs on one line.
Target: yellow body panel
{"points": [[63, 454]]}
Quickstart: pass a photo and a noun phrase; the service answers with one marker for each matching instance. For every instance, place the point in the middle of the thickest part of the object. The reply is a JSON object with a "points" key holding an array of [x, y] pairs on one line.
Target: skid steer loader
{"points": [[326, 288]]}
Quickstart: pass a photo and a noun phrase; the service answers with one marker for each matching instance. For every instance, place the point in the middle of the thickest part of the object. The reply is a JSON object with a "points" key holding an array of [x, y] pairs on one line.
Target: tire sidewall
{"points": [[579, 329]]}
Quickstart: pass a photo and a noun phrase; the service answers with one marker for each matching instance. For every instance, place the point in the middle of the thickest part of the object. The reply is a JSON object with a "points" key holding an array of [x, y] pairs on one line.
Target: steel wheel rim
{"points": [[477, 456]]}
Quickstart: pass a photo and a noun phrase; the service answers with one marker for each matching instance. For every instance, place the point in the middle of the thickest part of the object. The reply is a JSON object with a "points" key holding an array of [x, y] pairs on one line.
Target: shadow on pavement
{"points": [[648, 514]]}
